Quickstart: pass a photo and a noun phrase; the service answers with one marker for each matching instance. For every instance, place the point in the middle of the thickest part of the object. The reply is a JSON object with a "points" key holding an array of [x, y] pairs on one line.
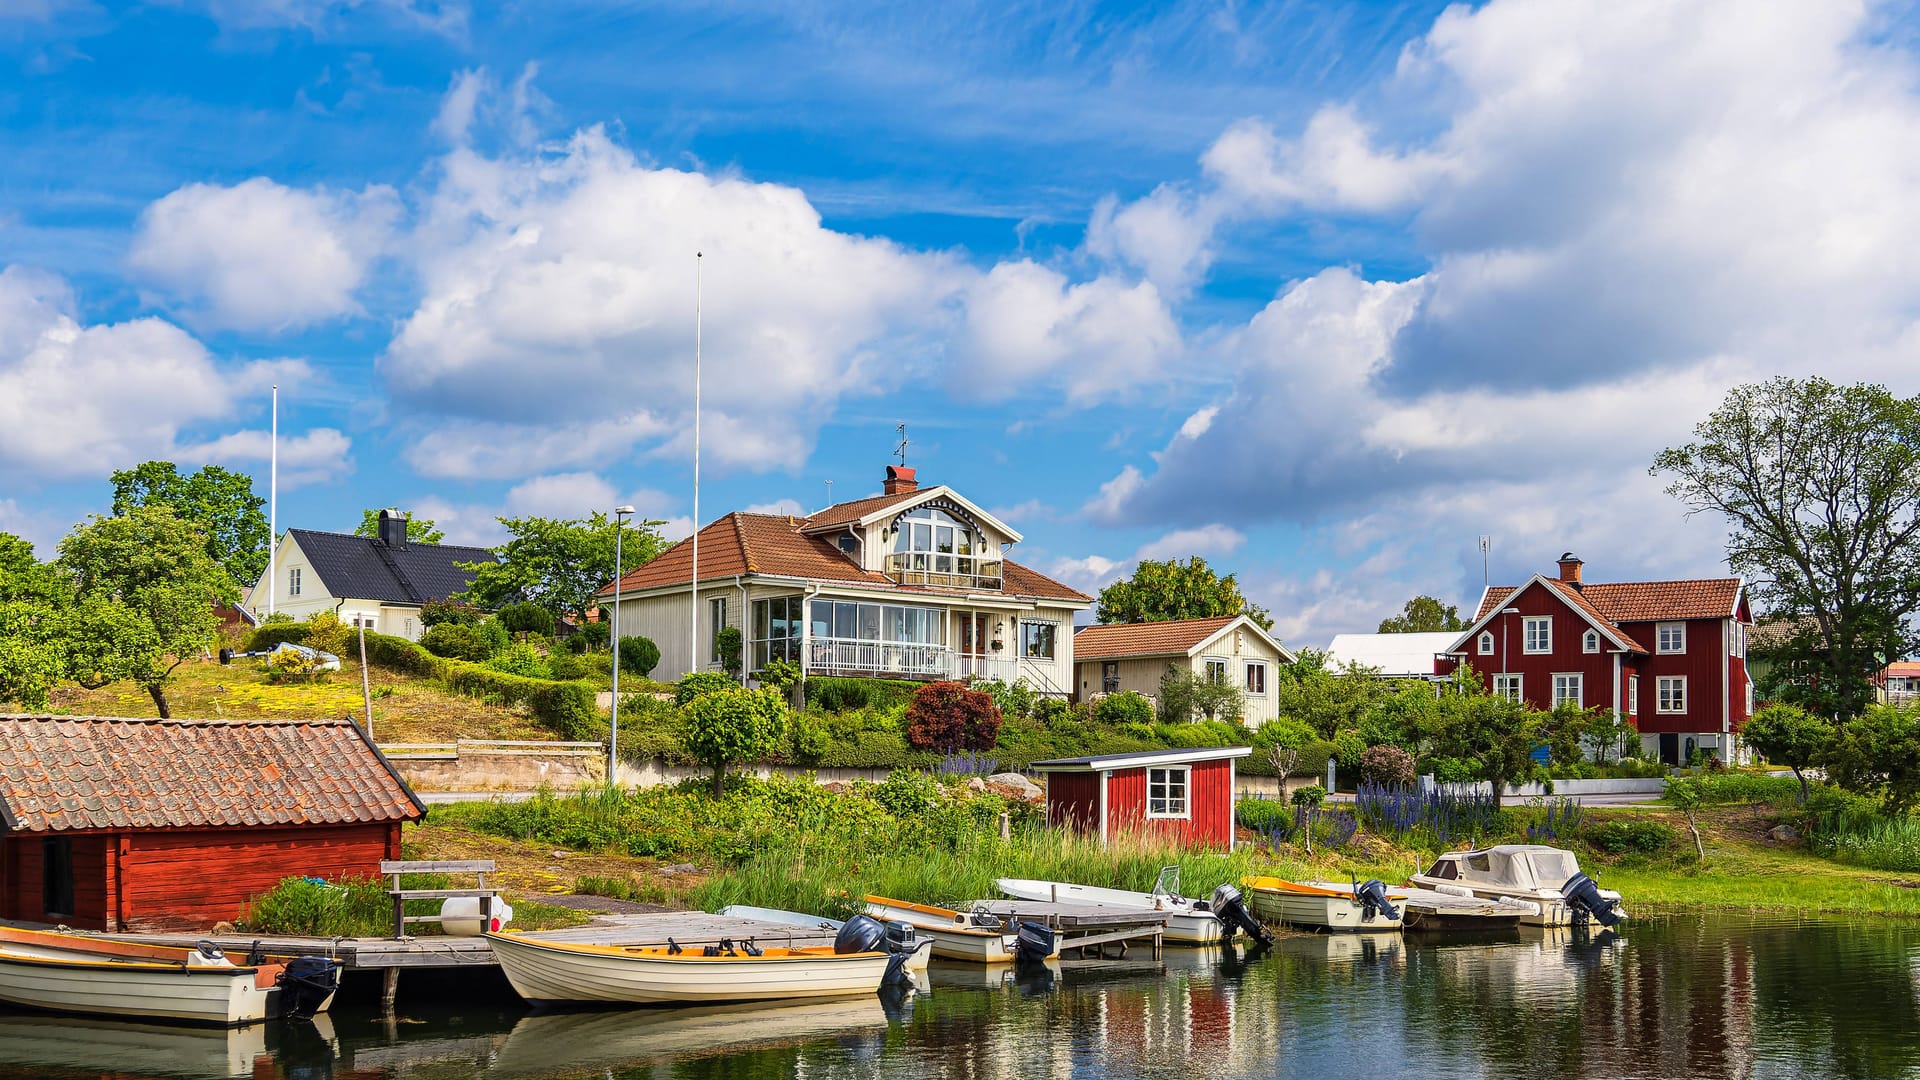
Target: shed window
{"points": [[1672, 637], [1539, 634], [56, 875], [1216, 669], [1256, 677], [1110, 677], [1486, 643], [1167, 792]]}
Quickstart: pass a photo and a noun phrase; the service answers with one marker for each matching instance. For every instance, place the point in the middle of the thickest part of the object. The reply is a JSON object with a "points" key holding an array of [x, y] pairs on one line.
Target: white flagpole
{"points": [[693, 635], [273, 500]]}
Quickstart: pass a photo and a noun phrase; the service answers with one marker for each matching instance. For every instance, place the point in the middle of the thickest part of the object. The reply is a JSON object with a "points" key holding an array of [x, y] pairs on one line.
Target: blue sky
{"points": [[1321, 291]]}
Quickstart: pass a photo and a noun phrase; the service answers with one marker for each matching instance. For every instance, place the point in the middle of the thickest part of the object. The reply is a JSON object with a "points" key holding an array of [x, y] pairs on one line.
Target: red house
{"points": [[1184, 795], [1671, 656], [112, 824]]}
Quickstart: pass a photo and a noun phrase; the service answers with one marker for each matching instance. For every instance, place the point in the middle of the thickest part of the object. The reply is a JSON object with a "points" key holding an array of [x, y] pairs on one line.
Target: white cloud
{"points": [[444, 17], [780, 507], [457, 108], [1104, 337], [262, 256], [1211, 540], [562, 495], [317, 456]]}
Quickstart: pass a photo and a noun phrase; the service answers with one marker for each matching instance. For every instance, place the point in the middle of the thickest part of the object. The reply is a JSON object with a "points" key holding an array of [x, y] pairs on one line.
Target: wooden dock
{"points": [[1084, 926]]}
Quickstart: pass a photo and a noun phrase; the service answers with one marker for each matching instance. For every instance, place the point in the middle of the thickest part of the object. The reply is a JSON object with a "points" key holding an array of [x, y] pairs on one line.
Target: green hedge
{"points": [[839, 695], [565, 708], [265, 637]]}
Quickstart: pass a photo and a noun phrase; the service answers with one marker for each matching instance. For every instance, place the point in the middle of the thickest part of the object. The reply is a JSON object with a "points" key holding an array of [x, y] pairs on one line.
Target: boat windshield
{"points": [[1168, 883]]}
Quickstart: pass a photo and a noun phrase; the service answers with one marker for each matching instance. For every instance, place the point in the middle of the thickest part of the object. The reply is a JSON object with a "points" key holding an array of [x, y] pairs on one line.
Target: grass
{"points": [[360, 907]]}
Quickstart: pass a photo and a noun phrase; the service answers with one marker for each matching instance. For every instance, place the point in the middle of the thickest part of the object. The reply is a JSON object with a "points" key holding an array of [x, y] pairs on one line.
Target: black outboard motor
{"points": [[1233, 914], [305, 985], [1584, 900], [1034, 943], [901, 938], [1373, 901], [862, 933]]}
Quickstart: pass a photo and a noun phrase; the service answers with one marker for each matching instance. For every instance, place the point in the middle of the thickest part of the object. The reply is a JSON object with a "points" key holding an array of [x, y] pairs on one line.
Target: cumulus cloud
{"points": [[317, 456], [260, 255]]}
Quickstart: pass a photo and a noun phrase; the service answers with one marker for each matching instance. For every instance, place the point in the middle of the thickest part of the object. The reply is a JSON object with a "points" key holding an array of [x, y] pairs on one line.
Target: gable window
{"points": [[1671, 637], [1590, 641], [1486, 643], [1633, 695], [1037, 639], [293, 581], [1538, 634], [1507, 686], [716, 622], [934, 547], [1110, 677], [1672, 694], [1216, 669], [1567, 690], [1256, 677], [1167, 792]]}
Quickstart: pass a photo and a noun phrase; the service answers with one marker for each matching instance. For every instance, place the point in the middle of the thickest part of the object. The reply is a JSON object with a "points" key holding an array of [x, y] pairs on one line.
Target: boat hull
{"points": [[87, 976], [1550, 908], [952, 933], [1315, 909], [1185, 926], [565, 973]]}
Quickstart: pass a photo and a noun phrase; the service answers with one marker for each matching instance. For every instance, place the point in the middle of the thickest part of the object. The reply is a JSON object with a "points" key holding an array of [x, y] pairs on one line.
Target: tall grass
{"points": [[1879, 843]]}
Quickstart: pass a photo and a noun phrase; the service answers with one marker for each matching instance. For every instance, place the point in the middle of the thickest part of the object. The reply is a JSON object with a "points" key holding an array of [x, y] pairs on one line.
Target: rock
{"points": [[680, 868], [836, 787], [1783, 834], [558, 854], [1026, 788], [223, 928], [974, 783]]}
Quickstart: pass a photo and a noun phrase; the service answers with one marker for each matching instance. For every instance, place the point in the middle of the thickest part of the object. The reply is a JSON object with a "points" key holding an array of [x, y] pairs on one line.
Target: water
{"points": [[1706, 996]]}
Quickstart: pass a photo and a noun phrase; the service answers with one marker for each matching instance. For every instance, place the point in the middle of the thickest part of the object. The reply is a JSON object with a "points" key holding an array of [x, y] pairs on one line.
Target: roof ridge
{"points": [[740, 537]]}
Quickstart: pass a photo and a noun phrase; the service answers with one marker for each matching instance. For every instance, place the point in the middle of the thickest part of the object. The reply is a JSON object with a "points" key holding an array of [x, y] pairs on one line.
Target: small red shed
{"points": [[1185, 795], [118, 824]]}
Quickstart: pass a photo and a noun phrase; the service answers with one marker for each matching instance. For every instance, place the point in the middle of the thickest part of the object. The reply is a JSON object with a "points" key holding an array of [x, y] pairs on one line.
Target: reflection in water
{"points": [[1710, 997]]}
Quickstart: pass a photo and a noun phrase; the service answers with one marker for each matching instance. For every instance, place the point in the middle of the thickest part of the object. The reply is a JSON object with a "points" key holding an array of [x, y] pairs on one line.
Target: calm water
{"points": [[1683, 997]]}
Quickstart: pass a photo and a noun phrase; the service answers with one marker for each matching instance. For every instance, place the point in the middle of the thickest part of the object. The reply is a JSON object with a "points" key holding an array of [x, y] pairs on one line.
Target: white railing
{"points": [[967, 573], [905, 660]]}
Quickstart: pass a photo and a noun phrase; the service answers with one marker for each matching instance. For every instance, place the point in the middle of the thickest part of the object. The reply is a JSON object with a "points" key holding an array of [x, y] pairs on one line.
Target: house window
{"points": [[1507, 686], [1167, 792], [1216, 669], [1538, 634], [1566, 690], [716, 621], [56, 876], [410, 628], [1256, 677], [1590, 641], [1036, 640], [293, 581], [932, 546], [1486, 643], [1633, 695], [1110, 677], [776, 631], [1672, 691], [1671, 637]]}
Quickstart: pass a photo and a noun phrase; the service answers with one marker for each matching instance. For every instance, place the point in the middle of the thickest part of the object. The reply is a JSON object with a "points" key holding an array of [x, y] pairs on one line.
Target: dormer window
{"points": [[932, 546]]}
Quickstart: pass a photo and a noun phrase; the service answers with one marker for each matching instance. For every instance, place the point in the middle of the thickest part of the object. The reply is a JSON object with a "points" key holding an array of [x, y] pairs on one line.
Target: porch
{"points": [[859, 638]]}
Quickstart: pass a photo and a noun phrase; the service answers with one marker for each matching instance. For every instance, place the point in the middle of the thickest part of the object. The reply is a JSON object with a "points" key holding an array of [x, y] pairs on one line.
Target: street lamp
{"points": [[620, 515], [1506, 658]]}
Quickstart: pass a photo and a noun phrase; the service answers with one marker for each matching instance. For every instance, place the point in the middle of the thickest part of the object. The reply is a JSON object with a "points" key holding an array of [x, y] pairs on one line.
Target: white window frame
{"points": [[293, 581], [1633, 695], [1166, 772], [1510, 685], [1527, 626], [1590, 641], [1660, 631], [1575, 679], [1660, 695], [717, 615], [1486, 643], [1208, 663], [1261, 667], [1110, 685]]}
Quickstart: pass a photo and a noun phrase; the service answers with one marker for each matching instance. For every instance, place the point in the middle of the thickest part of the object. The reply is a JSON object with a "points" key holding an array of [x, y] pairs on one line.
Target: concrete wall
{"points": [[470, 765]]}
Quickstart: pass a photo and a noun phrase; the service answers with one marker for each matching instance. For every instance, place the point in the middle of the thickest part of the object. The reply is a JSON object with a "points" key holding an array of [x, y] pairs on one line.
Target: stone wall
{"points": [[478, 765]]}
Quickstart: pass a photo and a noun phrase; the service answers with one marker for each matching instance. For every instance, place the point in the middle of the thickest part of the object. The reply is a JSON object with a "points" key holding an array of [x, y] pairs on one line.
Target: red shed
{"points": [[115, 824], [1185, 795]]}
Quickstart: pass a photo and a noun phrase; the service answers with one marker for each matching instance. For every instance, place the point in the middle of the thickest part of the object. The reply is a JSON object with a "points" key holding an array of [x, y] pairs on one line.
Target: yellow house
{"points": [[1117, 657]]}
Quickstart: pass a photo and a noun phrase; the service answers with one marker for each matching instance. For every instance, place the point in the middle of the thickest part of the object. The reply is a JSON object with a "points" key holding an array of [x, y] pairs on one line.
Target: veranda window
{"points": [[932, 545], [776, 631]]}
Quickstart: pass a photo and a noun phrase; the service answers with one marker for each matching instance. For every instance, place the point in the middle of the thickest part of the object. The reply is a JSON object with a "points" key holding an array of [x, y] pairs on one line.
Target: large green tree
{"points": [[1789, 735], [1158, 591], [218, 502], [1423, 615], [559, 564], [1817, 485], [33, 653], [419, 530], [1497, 736]]}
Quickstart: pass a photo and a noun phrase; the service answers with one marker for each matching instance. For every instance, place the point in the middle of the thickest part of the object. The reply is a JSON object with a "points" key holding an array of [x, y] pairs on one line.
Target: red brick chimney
{"points": [[899, 480], [1570, 569]]}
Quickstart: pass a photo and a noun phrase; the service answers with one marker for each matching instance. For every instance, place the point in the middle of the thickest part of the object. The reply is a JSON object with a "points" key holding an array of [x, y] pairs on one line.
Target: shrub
{"points": [[1314, 757], [782, 675], [1123, 708], [520, 659], [566, 666], [723, 727], [495, 635], [1310, 796], [568, 709], [456, 641], [1053, 710], [595, 634], [907, 793], [273, 632], [565, 708], [1348, 747], [577, 645], [728, 643], [1387, 765], [638, 655], [526, 618], [1622, 837], [947, 716], [1261, 815], [697, 683], [809, 735], [1012, 699], [455, 612], [839, 695], [327, 633]]}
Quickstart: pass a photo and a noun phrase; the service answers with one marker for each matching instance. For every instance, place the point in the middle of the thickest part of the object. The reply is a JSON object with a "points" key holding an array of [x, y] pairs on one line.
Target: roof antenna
{"points": [[829, 493], [901, 450], [1486, 575]]}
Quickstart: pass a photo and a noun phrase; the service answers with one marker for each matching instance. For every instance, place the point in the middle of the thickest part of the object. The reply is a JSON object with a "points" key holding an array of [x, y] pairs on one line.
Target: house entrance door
{"points": [[973, 643]]}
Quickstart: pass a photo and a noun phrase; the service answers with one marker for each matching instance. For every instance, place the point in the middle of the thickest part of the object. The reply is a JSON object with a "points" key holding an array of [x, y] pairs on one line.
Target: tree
{"points": [[1325, 701], [1185, 694], [1788, 735], [1424, 615], [1686, 795], [559, 564], [526, 618], [419, 530], [1816, 483], [144, 588], [948, 716], [32, 653], [1496, 736], [1159, 591], [723, 727], [1879, 751], [221, 504], [639, 655]]}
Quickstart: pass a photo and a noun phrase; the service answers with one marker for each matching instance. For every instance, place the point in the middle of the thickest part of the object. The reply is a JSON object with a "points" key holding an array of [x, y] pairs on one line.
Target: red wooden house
{"points": [[1184, 795], [113, 824], [1671, 656]]}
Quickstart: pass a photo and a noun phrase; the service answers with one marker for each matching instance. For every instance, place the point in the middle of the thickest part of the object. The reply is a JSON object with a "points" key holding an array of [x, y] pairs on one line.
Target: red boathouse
{"points": [[118, 824], [1183, 795]]}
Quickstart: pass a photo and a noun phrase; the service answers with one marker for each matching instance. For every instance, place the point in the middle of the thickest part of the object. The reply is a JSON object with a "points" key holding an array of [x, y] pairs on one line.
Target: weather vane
{"points": [[902, 448]]}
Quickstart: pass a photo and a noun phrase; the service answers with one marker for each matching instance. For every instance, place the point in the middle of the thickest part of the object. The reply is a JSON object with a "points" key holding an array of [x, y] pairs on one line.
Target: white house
{"points": [[912, 583], [378, 581], [1117, 657]]}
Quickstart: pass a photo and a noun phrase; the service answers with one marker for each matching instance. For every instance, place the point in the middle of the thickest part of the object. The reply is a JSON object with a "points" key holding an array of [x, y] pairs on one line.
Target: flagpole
{"points": [[693, 634], [273, 500]]}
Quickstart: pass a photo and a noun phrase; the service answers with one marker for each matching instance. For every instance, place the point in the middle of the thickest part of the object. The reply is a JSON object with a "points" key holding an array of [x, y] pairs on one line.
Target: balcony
{"points": [[903, 660], [943, 571]]}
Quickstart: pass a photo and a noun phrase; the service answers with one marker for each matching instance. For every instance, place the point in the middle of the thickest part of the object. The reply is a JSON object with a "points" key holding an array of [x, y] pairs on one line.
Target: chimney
{"points": [[899, 480], [1570, 569], [393, 529]]}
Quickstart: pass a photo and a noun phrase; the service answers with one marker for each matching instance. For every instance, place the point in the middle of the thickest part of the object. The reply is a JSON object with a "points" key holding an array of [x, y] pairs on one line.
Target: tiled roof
{"points": [[362, 568], [847, 513], [1900, 669], [1574, 598], [1026, 581], [1645, 601], [67, 773], [1167, 638]]}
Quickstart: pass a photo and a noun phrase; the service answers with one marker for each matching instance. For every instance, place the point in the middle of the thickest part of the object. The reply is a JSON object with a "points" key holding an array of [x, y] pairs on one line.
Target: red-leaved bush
{"points": [[948, 716], [1387, 765]]}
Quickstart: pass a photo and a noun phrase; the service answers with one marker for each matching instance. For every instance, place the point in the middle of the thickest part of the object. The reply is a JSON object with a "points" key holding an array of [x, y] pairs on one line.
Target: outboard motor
{"points": [[1233, 914], [1033, 944], [901, 938], [1584, 899], [862, 933], [306, 983], [1373, 901]]}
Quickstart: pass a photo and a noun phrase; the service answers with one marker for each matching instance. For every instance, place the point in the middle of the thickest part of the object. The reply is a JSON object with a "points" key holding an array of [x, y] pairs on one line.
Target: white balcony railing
{"points": [[960, 571], [903, 660]]}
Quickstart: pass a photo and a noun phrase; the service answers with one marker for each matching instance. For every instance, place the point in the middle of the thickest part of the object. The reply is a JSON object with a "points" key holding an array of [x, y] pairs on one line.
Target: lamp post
{"points": [[1506, 658], [620, 515]]}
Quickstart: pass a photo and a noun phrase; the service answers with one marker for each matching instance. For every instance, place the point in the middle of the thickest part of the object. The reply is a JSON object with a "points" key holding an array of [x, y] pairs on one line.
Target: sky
{"points": [[1323, 292]]}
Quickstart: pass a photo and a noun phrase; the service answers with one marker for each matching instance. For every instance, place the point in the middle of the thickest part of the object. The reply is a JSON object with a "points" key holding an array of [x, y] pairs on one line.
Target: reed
{"points": [[1881, 843]]}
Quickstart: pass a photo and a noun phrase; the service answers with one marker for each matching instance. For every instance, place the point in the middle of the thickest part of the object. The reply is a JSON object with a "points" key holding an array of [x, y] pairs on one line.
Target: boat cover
{"points": [[1523, 867]]}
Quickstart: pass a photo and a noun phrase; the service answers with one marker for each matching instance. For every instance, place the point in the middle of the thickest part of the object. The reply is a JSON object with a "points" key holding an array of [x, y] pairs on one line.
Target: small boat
{"points": [[1190, 921], [556, 972], [900, 938], [1547, 877], [1446, 911], [1325, 905], [93, 976], [597, 1041], [976, 937]]}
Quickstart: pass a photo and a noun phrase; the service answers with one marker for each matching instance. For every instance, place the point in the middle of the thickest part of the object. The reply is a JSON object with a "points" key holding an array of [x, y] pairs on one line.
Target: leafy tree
{"points": [[526, 618], [219, 503], [1495, 736], [595, 633], [1421, 615], [948, 716], [419, 530], [725, 726], [1686, 794], [1606, 731], [1329, 703], [1159, 591], [638, 655], [145, 587], [327, 633], [1879, 751], [435, 612], [1185, 694], [1126, 707], [727, 642], [1816, 483], [32, 653], [1789, 735], [559, 564]]}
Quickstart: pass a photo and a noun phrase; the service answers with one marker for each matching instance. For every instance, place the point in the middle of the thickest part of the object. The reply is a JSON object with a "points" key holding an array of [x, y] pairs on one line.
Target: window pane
{"points": [[822, 619], [870, 622]]}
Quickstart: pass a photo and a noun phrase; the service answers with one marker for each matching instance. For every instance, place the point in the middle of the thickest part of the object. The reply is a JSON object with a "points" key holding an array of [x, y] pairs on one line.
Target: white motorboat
{"points": [[1547, 877], [1325, 905], [45, 1045], [1189, 922], [918, 952], [97, 977], [567, 972], [975, 937]]}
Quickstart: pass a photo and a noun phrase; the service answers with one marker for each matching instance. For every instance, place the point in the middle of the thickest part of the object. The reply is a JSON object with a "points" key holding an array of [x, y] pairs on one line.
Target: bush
{"points": [[1262, 815], [595, 634], [1012, 699], [566, 666], [839, 695], [1622, 837], [810, 737], [1123, 708], [638, 655], [449, 612], [1314, 757], [565, 708], [495, 635], [1310, 796], [1388, 765], [275, 631], [526, 618], [947, 716], [723, 727], [456, 641], [697, 683], [1348, 747], [728, 643], [327, 633], [520, 659]]}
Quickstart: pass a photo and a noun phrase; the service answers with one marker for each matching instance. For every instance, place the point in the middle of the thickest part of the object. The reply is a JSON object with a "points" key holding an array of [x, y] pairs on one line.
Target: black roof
{"points": [[362, 568]]}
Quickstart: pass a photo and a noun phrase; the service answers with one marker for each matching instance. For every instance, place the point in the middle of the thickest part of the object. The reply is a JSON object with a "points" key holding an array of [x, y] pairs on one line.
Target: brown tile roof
{"points": [[1026, 581], [1903, 669], [848, 512], [1644, 601], [1170, 637], [69, 773]]}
